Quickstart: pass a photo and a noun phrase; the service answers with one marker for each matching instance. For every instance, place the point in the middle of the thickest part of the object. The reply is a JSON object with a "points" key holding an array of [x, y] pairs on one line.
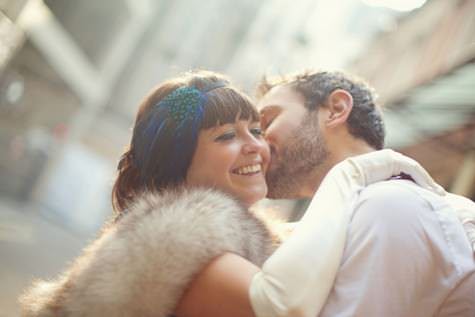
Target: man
{"points": [[406, 253]]}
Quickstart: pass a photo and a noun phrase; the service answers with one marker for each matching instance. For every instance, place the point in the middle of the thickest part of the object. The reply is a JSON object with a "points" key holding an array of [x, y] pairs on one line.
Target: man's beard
{"points": [[298, 160]]}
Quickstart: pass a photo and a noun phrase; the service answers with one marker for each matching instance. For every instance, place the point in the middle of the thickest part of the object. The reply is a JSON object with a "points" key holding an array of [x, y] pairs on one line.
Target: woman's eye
{"points": [[226, 136], [256, 132]]}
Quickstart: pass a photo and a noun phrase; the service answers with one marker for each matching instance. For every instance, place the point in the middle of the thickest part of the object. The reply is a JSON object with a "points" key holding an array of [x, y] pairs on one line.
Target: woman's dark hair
{"points": [[158, 160]]}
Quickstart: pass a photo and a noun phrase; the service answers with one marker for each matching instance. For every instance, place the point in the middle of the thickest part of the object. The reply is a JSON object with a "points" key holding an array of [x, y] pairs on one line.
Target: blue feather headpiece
{"points": [[174, 122]]}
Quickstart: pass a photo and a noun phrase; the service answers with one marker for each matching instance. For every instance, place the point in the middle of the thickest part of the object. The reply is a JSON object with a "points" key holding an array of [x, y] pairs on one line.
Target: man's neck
{"points": [[336, 155]]}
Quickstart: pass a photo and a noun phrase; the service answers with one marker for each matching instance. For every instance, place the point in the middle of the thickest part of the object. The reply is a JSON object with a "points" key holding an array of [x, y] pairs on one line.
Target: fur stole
{"points": [[141, 264]]}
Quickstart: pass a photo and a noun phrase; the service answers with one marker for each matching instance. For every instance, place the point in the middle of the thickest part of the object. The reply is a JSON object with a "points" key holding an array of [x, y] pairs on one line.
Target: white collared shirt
{"points": [[406, 255]]}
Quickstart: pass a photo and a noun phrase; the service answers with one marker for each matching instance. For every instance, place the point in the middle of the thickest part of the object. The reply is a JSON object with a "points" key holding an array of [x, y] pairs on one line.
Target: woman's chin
{"points": [[250, 197]]}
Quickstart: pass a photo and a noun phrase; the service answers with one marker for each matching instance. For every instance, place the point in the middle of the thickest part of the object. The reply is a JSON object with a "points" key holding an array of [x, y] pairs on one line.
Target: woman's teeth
{"points": [[250, 169]]}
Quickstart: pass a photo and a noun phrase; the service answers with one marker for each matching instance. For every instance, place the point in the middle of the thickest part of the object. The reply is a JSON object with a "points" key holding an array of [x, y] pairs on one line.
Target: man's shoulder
{"points": [[394, 196], [392, 207], [394, 190]]}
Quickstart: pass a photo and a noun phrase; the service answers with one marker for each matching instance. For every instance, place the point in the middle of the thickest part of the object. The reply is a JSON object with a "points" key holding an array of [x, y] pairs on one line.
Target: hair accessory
{"points": [[183, 103]]}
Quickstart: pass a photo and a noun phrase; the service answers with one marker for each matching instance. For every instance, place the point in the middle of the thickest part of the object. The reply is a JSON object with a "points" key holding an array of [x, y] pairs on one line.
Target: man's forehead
{"points": [[279, 96]]}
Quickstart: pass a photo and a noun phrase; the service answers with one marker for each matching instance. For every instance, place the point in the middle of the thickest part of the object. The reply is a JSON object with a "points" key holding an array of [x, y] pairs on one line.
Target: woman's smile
{"points": [[232, 157]]}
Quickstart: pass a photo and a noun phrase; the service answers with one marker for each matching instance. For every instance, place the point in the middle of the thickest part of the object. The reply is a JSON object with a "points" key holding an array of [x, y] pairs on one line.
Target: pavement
{"points": [[32, 245]]}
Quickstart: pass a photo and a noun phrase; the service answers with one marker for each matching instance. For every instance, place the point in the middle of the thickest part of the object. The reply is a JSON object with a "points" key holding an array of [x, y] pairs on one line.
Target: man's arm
{"points": [[297, 278]]}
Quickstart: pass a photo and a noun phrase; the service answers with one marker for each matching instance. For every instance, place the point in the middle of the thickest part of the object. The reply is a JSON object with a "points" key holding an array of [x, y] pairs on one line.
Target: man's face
{"points": [[296, 142]]}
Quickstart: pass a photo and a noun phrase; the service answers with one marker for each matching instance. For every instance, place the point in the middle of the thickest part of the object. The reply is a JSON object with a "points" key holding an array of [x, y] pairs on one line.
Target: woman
{"points": [[195, 164]]}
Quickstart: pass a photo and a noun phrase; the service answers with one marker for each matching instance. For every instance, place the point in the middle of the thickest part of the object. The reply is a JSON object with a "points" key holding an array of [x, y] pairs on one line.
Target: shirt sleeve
{"points": [[390, 259], [296, 280]]}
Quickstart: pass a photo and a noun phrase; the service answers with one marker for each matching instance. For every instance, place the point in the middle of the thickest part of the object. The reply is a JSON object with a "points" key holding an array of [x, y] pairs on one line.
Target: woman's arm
{"points": [[297, 278], [221, 289]]}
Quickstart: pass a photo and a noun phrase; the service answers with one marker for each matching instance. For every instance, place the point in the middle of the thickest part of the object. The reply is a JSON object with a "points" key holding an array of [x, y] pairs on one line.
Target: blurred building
{"points": [[71, 78], [424, 73], [73, 72], [288, 36]]}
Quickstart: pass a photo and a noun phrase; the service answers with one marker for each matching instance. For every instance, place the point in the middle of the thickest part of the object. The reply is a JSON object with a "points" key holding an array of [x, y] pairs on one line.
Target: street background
{"points": [[73, 72]]}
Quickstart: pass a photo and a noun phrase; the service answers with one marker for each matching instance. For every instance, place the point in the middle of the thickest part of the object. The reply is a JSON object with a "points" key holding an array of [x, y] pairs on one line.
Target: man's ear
{"points": [[339, 105]]}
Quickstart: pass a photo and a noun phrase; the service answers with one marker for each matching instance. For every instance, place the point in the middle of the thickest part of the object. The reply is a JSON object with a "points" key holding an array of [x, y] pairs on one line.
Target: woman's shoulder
{"points": [[148, 256], [197, 218], [183, 209], [183, 202]]}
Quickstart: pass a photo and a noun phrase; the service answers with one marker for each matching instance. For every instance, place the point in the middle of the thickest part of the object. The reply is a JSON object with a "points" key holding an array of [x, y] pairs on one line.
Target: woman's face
{"points": [[232, 157]]}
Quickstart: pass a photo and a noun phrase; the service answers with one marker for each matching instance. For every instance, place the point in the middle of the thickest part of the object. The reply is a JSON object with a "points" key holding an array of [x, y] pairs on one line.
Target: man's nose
{"points": [[269, 138]]}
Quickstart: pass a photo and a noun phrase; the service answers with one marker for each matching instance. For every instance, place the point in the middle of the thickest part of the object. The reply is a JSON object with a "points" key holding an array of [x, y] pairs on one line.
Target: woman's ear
{"points": [[339, 105]]}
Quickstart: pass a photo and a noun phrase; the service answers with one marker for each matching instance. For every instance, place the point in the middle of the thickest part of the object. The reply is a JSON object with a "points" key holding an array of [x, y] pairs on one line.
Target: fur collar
{"points": [[141, 265]]}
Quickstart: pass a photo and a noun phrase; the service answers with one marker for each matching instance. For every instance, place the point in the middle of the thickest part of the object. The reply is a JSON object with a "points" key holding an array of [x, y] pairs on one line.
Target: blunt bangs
{"points": [[226, 105]]}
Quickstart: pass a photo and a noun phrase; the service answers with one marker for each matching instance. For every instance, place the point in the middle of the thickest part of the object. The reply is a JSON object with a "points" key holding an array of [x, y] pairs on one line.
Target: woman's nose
{"points": [[253, 145], [250, 147]]}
